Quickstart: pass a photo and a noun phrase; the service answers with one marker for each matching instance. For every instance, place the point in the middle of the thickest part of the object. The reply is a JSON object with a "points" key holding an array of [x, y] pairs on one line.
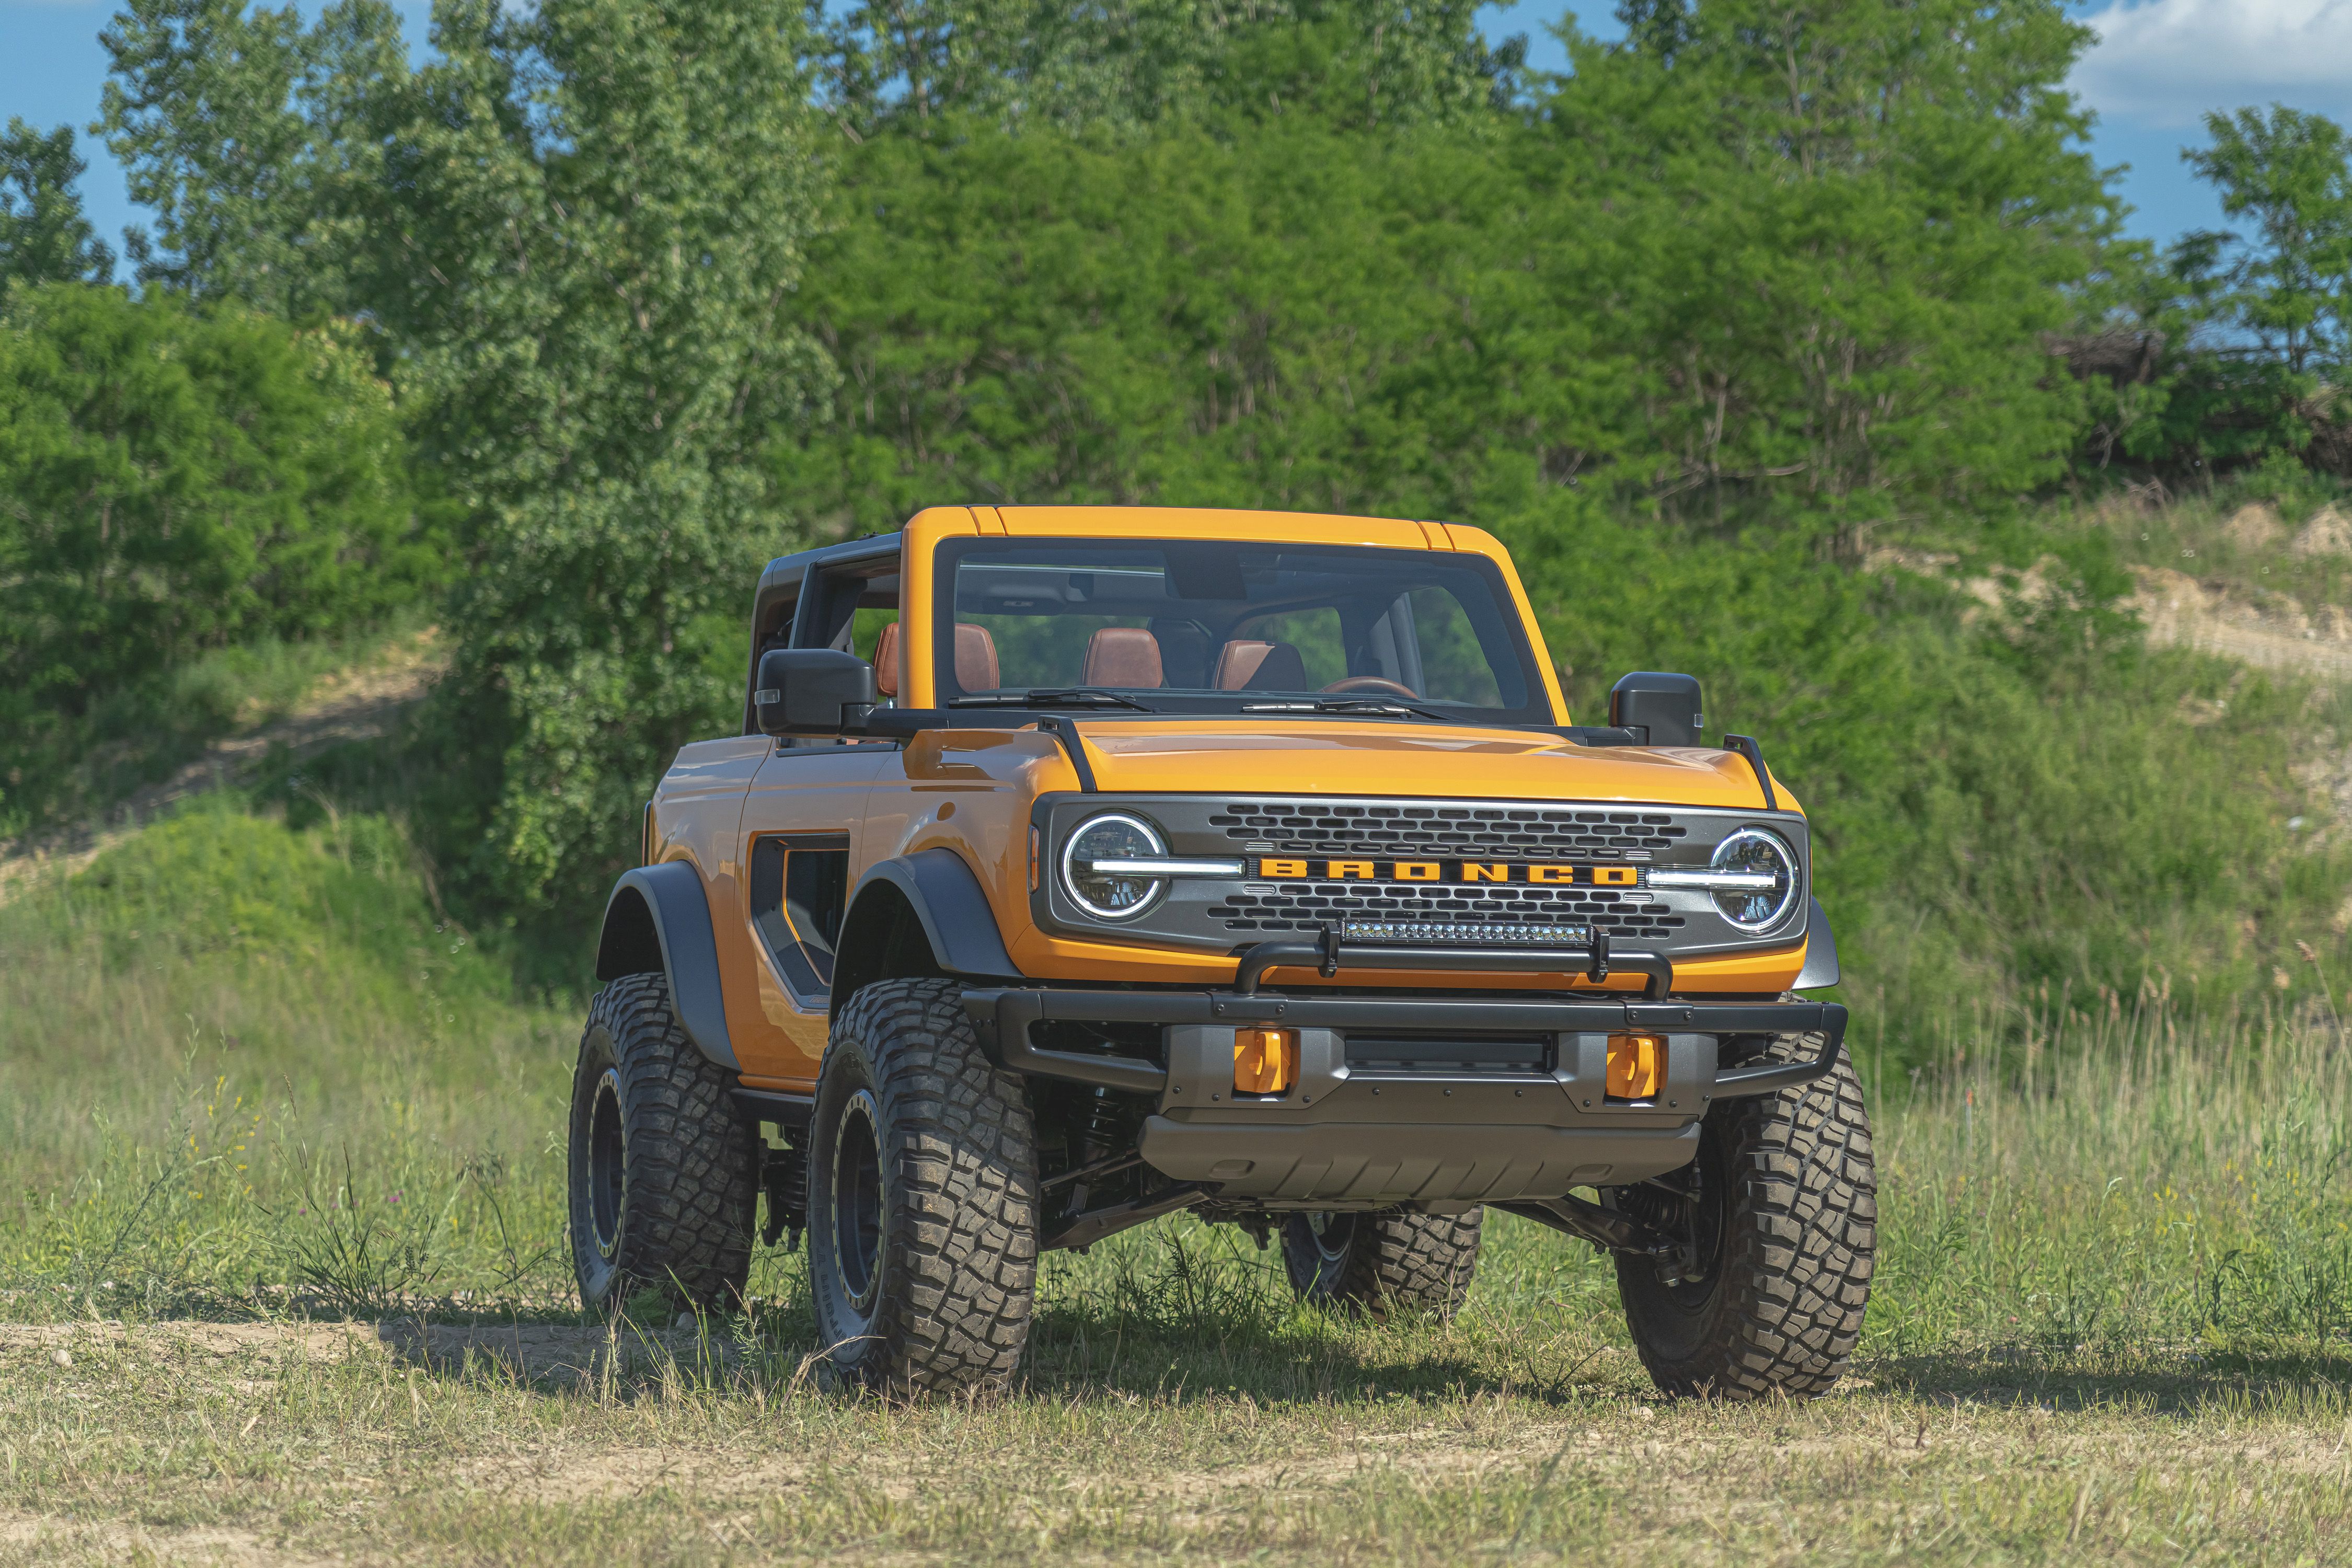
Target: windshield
{"points": [[1187, 626]]}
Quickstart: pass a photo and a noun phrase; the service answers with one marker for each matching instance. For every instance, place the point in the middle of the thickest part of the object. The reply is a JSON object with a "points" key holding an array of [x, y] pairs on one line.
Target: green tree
{"points": [[2291, 284], [589, 232], [574, 234], [249, 136], [1840, 232], [44, 238]]}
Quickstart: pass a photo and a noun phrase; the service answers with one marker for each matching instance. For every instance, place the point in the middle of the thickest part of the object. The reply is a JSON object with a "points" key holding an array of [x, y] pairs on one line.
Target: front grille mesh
{"points": [[1309, 906], [1496, 832]]}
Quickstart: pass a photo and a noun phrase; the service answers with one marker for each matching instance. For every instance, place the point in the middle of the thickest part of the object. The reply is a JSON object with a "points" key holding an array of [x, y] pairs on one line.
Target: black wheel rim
{"points": [[608, 1162], [1330, 1232], [856, 1225]]}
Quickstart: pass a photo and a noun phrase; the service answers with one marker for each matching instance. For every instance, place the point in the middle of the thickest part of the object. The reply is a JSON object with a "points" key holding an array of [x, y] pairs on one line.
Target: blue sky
{"points": [[2158, 65]]}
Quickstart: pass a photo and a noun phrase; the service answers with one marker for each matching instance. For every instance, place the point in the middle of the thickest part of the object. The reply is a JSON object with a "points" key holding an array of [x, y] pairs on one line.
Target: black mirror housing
{"points": [[812, 691], [1664, 708]]}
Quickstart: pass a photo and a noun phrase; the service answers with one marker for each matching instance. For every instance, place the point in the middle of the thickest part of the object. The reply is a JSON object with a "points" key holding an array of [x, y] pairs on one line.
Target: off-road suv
{"points": [[1079, 865]]}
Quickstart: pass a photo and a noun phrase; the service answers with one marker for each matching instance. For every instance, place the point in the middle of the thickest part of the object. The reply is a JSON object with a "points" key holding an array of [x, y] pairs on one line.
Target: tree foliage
{"points": [[2291, 284], [1786, 265], [44, 238], [171, 482], [1126, 64]]}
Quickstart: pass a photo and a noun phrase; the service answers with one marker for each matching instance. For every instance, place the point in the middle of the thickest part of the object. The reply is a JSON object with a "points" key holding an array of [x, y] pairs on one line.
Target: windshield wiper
{"points": [[1052, 697], [1348, 705]]}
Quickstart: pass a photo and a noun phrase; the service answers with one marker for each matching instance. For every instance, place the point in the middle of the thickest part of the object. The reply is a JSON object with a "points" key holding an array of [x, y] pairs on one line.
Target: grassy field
{"points": [[283, 1279]]}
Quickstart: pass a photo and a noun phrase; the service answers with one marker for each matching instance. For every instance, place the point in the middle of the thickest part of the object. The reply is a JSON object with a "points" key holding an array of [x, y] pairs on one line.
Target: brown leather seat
{"points": [[1246, 665], [975, 659], [1122, 655]]}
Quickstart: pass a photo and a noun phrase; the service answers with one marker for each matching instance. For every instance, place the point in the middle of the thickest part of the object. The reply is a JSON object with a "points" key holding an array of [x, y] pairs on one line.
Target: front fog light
{"points": [[1637, 1066], [1105, 894], [1756, 855], [1265, 1061]]}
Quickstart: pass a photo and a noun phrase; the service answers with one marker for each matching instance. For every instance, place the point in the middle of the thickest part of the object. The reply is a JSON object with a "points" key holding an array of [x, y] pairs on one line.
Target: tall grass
{"points": [[235, 1054]]}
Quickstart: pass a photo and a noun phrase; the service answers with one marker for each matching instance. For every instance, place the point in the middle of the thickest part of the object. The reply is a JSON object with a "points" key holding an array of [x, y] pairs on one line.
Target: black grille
{"points": [[1309, 906], [1518, 1054], [1498, 831]]}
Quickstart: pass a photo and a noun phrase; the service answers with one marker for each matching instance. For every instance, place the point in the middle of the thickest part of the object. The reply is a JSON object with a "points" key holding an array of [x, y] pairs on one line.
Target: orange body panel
{"points": [[971, 791]]}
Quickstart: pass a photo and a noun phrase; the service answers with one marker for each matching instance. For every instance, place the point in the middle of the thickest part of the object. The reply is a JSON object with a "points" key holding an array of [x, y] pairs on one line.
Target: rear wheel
{"points": [[1781, 1212], [1379, 1261], [922, 1198], [661, 1172]]}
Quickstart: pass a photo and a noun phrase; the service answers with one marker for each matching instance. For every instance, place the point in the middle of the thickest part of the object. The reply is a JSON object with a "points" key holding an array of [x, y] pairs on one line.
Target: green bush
{"points": [[172, 484]]}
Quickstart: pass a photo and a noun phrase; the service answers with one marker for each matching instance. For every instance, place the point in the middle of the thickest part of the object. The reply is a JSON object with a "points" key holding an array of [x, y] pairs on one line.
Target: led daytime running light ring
{"points": [[1154, 888], [1775, 848]]}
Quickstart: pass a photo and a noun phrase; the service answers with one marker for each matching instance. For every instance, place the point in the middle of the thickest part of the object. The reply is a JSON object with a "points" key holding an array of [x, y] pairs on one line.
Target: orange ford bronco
{"points": [[1079, 865]]}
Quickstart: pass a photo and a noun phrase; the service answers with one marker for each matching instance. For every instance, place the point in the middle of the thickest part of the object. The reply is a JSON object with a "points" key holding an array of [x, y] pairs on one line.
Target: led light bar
{"points": [[1466, 933], [1158, 865], [1717, 882]]}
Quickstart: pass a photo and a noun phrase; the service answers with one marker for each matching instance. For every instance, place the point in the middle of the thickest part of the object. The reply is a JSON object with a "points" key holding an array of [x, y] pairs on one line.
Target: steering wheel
{"points": [[1371, 683]]}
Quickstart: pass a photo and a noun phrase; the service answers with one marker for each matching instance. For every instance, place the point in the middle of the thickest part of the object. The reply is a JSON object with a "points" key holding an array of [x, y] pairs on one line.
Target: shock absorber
{"points": [[784, 1174], [1106, 1127]]}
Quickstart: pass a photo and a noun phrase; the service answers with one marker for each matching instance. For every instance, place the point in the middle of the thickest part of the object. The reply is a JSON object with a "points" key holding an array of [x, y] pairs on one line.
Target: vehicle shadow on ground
{"points": [[2181, 1381], [1072, 1356]]}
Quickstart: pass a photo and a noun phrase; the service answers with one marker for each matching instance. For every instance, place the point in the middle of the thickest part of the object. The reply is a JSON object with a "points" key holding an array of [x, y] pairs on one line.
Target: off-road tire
{"points": [[932, 1294], [1787, 1250], [675, 1168], [1381, 1262]]}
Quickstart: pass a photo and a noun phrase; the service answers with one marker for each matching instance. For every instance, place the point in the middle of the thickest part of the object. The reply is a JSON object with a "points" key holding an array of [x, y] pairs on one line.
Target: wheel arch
{"points": [[1820, 952], [918, 917], [657, 921]]}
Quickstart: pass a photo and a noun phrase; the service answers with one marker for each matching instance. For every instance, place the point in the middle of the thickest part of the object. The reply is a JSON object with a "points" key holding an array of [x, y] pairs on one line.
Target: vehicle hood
{"points": [[1326, 757]]}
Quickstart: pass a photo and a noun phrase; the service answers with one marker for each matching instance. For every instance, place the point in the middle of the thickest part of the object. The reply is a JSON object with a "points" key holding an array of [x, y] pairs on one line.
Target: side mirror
{"points": [[812, 691], [1665, 707]]}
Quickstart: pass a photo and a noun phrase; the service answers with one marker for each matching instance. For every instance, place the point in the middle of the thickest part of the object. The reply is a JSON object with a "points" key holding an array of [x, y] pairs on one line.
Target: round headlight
{"points": [[1111, 895], [1755, 851]]}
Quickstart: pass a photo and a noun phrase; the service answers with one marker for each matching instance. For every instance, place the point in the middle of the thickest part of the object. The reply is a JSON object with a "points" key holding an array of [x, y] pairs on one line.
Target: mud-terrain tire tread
{"points": [[693, 1188], [1419, 1262], [1801, 1248], [959, 1262]]}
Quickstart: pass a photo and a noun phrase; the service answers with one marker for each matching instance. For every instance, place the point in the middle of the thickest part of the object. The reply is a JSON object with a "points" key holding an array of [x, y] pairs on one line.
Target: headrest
{"points": [[1121, 655], [975, 657], [886, 661], [1246, 666]]}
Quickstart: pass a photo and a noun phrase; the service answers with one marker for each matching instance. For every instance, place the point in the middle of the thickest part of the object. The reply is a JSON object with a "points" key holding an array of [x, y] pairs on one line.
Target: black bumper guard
{"points": [[1003, 1017]]}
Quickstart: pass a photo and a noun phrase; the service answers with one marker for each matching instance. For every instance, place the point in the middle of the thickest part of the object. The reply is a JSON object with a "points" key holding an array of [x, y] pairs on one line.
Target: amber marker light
{"points": [[1265, 1061], [1637, 1066], [1037, 860]]}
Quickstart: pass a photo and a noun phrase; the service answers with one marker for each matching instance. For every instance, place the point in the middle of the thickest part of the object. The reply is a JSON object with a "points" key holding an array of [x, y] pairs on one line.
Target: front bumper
{"points": [[1361, 1137]]}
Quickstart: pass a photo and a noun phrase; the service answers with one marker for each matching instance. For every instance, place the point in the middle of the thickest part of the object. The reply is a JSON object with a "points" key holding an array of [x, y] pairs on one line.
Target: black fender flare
{"points": [[658, 922], [949, 909], [1821, 951]]}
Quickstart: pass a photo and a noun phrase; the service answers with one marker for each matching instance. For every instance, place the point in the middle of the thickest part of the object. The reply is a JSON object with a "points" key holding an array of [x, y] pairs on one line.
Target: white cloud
{"points": [[2167, 62]]}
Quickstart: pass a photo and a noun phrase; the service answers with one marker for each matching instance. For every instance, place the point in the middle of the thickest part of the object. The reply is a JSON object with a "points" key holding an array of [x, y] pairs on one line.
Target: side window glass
{"points": [[799, 883], [854, 608]]}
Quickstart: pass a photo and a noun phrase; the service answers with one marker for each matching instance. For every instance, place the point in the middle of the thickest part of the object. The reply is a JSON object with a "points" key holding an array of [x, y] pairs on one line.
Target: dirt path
{"points": [[2182, 612], [360, 703]]}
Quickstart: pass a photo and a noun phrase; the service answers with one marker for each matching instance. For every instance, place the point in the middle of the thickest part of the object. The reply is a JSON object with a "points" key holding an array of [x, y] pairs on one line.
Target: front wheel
{"points": [[922, 1213], [1780, 1215], [1377, 1262]]}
